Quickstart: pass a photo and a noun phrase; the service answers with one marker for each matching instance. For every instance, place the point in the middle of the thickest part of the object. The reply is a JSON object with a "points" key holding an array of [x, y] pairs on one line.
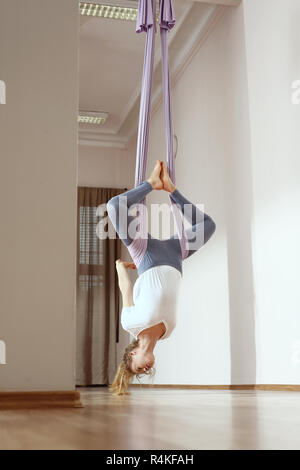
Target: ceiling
{"points": [[111, 65]]}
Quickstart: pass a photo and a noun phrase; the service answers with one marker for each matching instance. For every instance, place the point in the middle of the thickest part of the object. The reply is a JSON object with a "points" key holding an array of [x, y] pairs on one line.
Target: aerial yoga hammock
{"points": [[149, 307]]}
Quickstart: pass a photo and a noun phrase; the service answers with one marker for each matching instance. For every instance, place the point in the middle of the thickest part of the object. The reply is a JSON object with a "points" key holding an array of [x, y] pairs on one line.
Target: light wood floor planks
{"points": [[160, 419]]}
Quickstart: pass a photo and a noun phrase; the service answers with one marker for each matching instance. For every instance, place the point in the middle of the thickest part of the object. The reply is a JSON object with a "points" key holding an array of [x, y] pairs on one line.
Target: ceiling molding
{"points": [[93, 138], [186, 57], [157, 63], [195, 41], [228, 3], [192, 31], [199, 23]]}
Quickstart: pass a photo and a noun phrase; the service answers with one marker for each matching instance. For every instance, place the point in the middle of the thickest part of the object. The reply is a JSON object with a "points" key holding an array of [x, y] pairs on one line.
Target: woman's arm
{"points": [[203, 226]]}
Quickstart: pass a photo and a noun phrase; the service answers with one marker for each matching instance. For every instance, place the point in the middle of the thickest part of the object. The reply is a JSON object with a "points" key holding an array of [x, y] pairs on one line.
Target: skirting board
{"points": [[267, 387], [47, 399]]}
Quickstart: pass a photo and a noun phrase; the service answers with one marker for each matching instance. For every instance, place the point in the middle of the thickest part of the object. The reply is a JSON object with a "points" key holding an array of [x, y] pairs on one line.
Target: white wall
{"points": [[38, 126], [105, 167], [273, 51], [239, 153], [239, 147], [238, 197], [211, 122]]}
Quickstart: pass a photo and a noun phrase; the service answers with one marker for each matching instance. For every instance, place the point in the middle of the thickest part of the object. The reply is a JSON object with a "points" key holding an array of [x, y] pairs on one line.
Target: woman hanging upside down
{"points": [[149, 307]]}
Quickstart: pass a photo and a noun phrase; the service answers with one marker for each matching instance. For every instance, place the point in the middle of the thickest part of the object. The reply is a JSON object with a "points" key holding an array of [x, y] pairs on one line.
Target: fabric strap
{"points": [[146, 22]]}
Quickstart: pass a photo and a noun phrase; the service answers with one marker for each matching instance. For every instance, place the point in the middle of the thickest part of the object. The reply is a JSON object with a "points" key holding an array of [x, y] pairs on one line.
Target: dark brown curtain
{"points": [[97, 291]]}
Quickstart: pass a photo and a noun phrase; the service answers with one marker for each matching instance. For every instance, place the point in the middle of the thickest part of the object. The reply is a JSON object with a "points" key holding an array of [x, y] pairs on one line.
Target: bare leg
{"points": [[125, 283]]}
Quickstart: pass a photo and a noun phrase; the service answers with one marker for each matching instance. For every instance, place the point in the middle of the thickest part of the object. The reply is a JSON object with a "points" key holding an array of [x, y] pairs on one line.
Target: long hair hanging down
{"points": [[124, 375]]}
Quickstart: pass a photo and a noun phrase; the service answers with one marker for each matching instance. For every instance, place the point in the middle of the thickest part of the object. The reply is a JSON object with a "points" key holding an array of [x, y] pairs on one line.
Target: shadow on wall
{"points": [[241, 295], [239, 197], [240, 269]]}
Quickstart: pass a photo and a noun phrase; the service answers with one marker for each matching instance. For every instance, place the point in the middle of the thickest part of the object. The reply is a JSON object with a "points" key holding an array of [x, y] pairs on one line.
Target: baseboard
{"points": [[278, 387], [267, 387], [47, 399]]}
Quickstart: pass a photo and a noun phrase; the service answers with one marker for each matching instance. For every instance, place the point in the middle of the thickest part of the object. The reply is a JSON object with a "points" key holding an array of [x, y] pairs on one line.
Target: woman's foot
{"points": [[124, 282], [155, 179], [168, 185], [124, 264]]}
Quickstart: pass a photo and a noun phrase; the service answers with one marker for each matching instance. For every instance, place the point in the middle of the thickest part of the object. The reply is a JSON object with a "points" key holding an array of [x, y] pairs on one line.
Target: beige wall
{"points": [[38, 126], [106, 167]]}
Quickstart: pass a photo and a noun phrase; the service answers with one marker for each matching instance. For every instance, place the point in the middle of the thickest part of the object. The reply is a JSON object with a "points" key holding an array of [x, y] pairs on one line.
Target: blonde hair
{"points": [[124, 375]]}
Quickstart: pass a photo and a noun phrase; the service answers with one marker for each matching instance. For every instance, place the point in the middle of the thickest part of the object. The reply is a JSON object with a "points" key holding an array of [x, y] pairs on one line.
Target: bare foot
{"points": [[154, 179], [166, 180], [125, 264], [124, 282]]}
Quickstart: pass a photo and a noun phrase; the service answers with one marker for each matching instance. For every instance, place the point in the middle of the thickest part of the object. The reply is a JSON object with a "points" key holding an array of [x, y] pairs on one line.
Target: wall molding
{"points": [[185, 57], [266, 387], [135, 97], [199, 23], [43, 399], [93, 138], [191, 32]]}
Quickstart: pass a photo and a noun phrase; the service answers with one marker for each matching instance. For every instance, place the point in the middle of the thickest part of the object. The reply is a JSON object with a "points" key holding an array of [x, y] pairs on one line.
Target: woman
{"points": [[149, 307]]}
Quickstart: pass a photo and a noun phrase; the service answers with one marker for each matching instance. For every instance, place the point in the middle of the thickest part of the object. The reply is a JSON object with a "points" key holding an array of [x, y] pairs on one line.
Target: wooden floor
{"points": [[160, 419]]}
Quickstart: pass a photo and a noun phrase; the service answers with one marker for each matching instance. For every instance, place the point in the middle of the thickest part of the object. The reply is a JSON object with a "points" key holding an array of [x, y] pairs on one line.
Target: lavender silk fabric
{"points": [[146, 22]]}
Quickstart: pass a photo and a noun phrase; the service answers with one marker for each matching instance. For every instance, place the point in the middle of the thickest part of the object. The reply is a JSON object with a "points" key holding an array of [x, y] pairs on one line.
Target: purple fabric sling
{"points": [[146, 22]]}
